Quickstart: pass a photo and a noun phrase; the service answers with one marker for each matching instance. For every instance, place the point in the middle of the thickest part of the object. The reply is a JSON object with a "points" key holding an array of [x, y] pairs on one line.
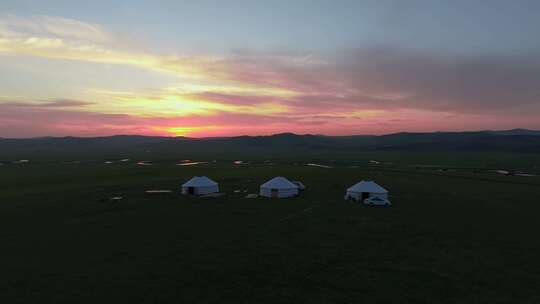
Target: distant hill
{"points": [[517, 140], [516, 132]]}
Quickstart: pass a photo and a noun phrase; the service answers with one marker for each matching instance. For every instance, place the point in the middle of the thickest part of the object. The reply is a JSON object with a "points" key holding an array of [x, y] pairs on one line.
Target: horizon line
{"points": [[269, 135]]}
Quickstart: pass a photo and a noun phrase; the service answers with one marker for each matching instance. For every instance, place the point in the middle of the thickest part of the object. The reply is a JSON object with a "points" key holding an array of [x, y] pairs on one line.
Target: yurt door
{"points": [[274, 192], [364, 196], [191, 190]]}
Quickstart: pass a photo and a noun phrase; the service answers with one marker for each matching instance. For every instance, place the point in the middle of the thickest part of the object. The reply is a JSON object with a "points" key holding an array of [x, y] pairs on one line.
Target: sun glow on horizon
{"points": [[183, 131]]}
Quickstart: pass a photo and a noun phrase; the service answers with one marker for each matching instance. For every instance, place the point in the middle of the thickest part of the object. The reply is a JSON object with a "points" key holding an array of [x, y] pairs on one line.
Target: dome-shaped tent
{"points": [[199, 185], [365, 189], [279, 187]]}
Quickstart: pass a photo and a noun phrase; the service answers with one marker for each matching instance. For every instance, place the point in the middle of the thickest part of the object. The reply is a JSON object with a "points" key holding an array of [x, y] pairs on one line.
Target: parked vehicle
{"points": [[377, 201]]}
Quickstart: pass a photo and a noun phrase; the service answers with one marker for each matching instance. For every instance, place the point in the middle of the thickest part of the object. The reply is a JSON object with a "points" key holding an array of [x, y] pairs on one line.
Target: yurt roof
{"points": [[367, 186], [299, 184], [279, 183], [200, 181]]}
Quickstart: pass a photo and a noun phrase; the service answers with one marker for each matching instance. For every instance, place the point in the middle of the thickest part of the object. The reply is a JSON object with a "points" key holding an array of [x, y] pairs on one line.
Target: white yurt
{"points": [[279, 187], [199, 185], [365, 189]]}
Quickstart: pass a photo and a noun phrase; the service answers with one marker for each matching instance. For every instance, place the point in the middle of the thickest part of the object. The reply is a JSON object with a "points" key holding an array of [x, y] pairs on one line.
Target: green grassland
{"points": [[462, 235]]}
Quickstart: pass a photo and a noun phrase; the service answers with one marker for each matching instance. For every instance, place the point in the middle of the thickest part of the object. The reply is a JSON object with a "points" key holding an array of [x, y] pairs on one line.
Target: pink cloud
{"points": [[397, 79]]}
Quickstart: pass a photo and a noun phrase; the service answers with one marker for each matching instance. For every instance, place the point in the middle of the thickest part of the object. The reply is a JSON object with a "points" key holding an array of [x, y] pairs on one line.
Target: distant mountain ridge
{"points": [[517, 131], [516, 140]]}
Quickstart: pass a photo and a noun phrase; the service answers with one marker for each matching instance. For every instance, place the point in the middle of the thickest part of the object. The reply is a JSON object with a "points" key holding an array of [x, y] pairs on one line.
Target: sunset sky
{"points": [[220, 68]]}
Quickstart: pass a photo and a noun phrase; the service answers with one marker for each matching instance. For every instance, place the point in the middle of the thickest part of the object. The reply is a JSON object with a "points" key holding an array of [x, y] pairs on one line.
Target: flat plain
{"points": [[457, 232]]}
